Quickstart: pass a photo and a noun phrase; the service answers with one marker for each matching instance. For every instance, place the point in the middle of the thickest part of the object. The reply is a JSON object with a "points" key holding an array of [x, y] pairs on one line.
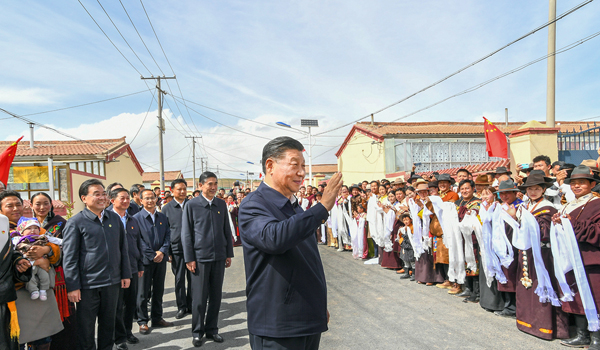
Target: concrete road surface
{"points": [[371, 308]]}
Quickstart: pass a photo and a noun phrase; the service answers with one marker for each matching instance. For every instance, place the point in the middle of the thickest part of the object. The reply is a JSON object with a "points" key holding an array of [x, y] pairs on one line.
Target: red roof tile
{"points": [[65, 148], [473, 168], [151, 176]]}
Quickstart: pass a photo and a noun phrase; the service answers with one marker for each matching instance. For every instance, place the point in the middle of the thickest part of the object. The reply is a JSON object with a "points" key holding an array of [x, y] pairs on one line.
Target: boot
{"points": [[582, 339], [595, 344], [456, 289], [465, 293], [405, 275]]}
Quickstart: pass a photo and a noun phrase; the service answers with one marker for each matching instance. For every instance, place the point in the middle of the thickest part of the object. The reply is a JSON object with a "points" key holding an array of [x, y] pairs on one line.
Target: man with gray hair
{"points": [[285, 282]]}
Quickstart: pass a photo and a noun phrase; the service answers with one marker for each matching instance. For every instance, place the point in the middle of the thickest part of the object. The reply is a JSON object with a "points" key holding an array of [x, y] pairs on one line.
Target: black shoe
{"points": [[582, 339], [505, 313], [405, 275], [197, 342], [131, 339], [412, 278], [464, 294], [595, 344], [215, 337], [180, 314], [122, 346], [472, 299]]}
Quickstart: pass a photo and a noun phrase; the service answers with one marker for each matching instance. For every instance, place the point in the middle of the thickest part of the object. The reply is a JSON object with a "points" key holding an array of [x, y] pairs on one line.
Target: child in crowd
{"points": [[27, 235], [406, 250]]}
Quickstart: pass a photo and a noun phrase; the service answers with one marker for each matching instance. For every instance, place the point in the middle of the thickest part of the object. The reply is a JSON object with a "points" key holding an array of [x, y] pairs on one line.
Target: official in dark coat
{"points": [[127, 304], [155, 231], [207, 250], [174, 212], [285, 283], [96, 265]]}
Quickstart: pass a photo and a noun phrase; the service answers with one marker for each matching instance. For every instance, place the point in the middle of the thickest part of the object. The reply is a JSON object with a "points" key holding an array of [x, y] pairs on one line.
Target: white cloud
{"points": [[31, 96]]}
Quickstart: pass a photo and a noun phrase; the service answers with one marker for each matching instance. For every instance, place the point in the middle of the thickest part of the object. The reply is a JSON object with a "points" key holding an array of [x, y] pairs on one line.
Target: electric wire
{"points": [[465, 67], [141, 125]]}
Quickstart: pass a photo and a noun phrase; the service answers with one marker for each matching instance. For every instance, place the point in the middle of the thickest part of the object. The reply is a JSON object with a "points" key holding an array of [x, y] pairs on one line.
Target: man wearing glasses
{"points": [[155, 232], [96, 265]]}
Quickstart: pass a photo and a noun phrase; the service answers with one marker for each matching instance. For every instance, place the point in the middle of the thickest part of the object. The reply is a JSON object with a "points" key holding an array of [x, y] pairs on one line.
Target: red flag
{"points": [[260, 175], [495, 140], [6, 159]]}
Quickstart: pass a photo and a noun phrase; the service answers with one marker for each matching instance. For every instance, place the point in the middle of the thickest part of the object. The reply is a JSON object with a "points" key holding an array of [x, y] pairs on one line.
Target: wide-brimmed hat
{"points": [[507, 186], [413, 178], [537, 178], [482, 180], [446, 177], [591, 163], [420, 182], [399, 181], [433, 184], [355, 186], [502, 170], [582, 172]]}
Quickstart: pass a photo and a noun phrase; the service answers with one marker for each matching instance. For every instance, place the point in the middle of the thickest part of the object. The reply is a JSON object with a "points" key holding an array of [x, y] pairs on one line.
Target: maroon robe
{"points": [[539, 319], [391, 260], [234, 219], [587, 232]]}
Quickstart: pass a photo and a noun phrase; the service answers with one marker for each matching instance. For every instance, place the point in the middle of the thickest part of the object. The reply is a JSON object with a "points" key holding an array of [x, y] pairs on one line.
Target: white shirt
{"points": [[208, 200], [152, 215]]}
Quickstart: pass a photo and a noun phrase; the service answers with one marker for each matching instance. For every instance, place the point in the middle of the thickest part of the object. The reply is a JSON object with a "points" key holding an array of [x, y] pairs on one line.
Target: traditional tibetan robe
{"points": [[585, 218], [440, 251], [391, 260], [472, 275], [233, 214], [539, 319], [425, 269]]}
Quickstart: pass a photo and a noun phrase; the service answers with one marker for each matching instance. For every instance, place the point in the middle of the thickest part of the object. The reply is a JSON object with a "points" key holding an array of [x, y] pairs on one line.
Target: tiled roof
{"points": [[151, 176], [450, 128], [64, 148], [323, 168], [474, 168]]}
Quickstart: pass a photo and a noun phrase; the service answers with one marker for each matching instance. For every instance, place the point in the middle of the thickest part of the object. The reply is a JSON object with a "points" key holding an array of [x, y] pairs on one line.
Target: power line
{"points": [[465, 67], [143, 121], [235, 116], [169, 63], [84, 104], [478, 86], [113, 44]]}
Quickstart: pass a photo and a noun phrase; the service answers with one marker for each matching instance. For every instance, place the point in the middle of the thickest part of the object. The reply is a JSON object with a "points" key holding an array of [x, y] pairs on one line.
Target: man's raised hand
{"points": [[331, 191]]}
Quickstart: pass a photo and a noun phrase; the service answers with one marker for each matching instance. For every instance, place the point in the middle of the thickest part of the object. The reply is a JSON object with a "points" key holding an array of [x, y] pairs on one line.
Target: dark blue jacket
{"points": [[156, 234], [95, 253], [174, 213], [135, 244], [205, 231], [285, 283]]}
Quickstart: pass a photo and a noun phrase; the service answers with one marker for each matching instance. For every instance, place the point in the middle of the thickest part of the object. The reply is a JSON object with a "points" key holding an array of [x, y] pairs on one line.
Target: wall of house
{"points": [[123, 171], [362, 160]]}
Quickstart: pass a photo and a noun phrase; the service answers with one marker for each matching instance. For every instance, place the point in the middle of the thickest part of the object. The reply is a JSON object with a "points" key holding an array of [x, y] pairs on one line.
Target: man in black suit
{"points": [[174, 212], [155, 231], [285, 283], [127, 304], [207, 250]]}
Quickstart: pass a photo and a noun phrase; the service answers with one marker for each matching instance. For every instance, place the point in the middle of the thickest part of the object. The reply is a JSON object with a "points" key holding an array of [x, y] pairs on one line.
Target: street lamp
{"points": [[309, 123]]}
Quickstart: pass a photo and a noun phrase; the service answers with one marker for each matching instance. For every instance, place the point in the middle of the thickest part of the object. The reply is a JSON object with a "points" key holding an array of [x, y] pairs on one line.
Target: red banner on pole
{"points": [[495, 140]]}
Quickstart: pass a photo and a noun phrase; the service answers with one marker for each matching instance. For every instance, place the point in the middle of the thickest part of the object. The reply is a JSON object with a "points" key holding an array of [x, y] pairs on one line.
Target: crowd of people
{"points": [[106, 265], [524, 245]]}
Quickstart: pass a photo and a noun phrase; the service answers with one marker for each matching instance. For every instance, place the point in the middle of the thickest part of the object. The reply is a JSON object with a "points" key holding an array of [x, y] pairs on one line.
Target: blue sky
{"points": [[271, 61]]}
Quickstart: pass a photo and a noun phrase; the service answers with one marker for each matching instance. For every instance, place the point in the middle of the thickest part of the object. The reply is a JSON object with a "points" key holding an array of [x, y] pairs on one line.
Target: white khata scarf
{"points": [[388, 220], [233, 233], [333, 220], [468, 225], [448, 217], [375, 219], [529, 237], [491, 263], [417, 241], [500, 243], [566, 258]]}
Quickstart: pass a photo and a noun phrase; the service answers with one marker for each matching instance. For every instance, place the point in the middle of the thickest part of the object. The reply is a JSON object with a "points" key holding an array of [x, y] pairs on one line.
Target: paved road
{"points": [[371, 308]]}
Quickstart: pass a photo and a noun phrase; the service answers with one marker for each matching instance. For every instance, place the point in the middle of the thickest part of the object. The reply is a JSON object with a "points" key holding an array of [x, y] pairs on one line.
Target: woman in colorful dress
{"points": [[41, 203], [469, 204]]}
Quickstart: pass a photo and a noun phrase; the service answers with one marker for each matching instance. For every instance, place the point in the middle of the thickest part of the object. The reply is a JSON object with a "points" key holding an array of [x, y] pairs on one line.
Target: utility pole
{"points": [[550, 85], [193, 157], [161, 128], [202, 163]]}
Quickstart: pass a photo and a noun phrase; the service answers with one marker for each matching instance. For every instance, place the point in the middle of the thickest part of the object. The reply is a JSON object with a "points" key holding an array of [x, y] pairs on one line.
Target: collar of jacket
{"points": [[146, 213], [90, 214], [204, 202], [273, 195]]}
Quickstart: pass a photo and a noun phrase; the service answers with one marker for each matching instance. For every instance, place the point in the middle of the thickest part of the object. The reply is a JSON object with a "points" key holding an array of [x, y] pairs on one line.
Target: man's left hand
{"points": [[125, 283], [227, 262], [140, 274], [159, 256]]}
